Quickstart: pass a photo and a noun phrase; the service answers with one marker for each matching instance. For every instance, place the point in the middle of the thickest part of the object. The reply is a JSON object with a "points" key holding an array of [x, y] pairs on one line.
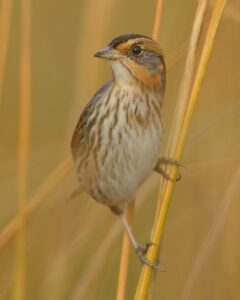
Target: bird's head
{"points": [[135, 57]]}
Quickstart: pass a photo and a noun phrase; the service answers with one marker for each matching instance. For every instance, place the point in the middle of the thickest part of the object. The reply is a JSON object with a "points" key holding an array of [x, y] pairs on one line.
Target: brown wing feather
{"points": [[80, 130]]}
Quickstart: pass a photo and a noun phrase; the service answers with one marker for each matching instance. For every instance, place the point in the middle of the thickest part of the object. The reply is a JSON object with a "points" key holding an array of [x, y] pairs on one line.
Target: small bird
{"points": [[117, 140]]}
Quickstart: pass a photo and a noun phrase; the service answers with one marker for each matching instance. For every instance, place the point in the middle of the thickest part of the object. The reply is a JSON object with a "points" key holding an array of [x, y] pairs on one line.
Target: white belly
{"points": [[131, 163], [126, 165]]}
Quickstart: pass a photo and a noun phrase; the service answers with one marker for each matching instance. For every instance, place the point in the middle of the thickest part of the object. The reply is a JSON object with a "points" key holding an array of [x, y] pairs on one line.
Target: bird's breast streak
{"points": [[128, 148]]}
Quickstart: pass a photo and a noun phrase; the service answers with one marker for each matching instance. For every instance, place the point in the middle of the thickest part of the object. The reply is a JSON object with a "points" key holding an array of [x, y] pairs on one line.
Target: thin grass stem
{"points": [[157, 20], [5, 26], [24, 122], [123, 271]]}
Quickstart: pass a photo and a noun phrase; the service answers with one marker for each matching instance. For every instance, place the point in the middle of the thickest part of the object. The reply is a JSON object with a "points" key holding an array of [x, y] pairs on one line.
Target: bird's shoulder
{"points": [[80, 129]]}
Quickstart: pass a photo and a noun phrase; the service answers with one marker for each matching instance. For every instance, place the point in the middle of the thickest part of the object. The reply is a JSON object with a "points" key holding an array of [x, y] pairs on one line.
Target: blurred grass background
{"points": [[73, 247]]}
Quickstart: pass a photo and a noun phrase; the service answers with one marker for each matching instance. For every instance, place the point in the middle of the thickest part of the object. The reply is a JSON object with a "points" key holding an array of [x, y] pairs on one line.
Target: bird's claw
{"points": [[141, 251], [144, 249], [165, 174], [167, 160]]}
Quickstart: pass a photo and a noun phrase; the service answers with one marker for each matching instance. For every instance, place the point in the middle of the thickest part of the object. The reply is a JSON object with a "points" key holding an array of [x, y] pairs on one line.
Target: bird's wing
{"points": [[80, 132]]}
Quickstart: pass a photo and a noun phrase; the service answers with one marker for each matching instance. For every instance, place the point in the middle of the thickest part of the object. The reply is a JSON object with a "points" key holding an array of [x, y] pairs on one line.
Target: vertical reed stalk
{"points": [[122, 280], [157, 20], [182, 117], [123, 270], [24, 121], [5, 25]]}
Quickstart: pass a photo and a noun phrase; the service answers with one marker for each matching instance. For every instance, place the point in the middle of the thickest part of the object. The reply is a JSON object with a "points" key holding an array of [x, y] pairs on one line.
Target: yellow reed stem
{"points": [[24, 122], [5, 24], [176, 146], [122, 278], [157, 20]]}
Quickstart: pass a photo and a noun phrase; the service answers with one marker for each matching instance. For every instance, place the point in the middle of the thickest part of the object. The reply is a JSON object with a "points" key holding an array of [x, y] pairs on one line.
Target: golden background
{"points": [[73, 247]]}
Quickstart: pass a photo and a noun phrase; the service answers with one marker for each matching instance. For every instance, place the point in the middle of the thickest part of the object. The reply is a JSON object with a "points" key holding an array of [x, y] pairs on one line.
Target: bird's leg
{"points": [[140, 250], [167, 160]]}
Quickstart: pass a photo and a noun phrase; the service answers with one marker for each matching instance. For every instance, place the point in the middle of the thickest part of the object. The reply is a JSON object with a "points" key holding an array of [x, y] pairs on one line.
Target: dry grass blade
{"points": [[185, 87], [211, 237], [5, 24], [157, 20], [232, 12], [178, 137], [24, 122], [52, 181], [122, 277]]}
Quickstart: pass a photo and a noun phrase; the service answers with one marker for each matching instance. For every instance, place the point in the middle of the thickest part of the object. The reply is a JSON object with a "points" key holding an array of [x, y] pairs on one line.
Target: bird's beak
{"points": [[108, 53]]}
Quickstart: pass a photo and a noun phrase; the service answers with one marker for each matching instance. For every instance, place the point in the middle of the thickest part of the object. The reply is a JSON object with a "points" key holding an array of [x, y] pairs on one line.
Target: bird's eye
{"points": [[137, 50]]}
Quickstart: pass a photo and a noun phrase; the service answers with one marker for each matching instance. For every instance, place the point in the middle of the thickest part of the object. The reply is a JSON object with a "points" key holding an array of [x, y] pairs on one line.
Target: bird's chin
{"points": [[121, 73]]}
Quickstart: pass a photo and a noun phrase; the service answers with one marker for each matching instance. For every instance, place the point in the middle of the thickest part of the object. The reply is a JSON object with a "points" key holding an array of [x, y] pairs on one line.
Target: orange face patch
{"points": [[142, 74]]}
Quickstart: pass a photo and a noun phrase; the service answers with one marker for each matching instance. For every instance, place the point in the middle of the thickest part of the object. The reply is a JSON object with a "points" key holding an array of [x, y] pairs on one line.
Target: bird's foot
{"points": [[167, 160], [141, 252], [144, 249]]}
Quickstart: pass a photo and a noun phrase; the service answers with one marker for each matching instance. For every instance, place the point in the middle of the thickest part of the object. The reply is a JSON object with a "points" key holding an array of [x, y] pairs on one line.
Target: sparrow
{"points": [[117, 140]]}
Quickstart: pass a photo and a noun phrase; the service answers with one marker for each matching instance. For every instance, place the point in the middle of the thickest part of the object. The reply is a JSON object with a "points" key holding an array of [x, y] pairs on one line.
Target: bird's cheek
{"points": [[140, 72]]}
